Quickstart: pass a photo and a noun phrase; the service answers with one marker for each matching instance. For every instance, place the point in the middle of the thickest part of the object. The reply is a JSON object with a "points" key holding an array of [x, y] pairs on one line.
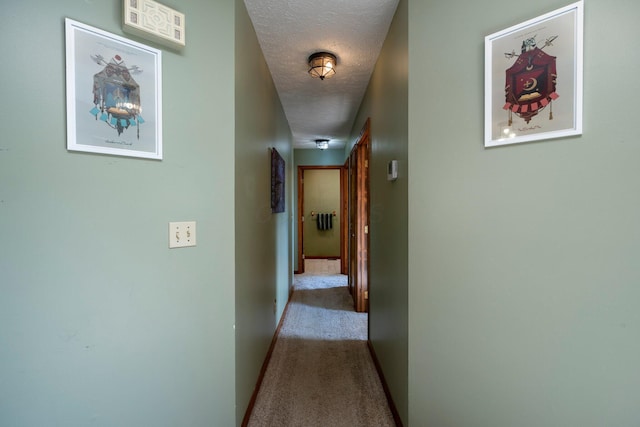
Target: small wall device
{"points": [[154, 21], [392, 170]]}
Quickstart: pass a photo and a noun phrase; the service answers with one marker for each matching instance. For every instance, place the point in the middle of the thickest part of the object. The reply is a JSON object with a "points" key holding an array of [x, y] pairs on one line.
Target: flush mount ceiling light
{"points": [[322, 64], [322, 144]]}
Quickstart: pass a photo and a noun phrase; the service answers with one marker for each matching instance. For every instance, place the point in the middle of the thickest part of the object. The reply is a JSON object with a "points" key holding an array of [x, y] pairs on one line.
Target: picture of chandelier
{"points": [[116, 95]]}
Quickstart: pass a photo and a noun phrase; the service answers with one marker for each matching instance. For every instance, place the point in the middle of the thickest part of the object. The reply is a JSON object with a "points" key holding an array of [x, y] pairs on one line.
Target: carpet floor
{"points": [[321, 372]]}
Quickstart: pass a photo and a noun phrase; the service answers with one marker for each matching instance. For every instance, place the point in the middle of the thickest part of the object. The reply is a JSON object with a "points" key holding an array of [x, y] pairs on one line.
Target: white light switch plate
{"points": [[182, 234]]}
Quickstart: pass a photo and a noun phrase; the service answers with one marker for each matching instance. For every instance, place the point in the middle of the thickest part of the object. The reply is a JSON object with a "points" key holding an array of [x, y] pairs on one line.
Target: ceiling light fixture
{"points": [[322, 144], [322, 64]]}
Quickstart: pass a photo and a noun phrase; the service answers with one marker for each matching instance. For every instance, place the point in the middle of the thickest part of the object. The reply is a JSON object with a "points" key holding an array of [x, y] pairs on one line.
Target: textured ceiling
{"points": [[291, 30]]}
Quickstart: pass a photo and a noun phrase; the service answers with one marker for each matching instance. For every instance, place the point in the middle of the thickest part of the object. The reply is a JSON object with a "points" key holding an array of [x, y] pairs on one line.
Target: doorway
{"points": [[321, 219], [358, 162], [353, 221]]}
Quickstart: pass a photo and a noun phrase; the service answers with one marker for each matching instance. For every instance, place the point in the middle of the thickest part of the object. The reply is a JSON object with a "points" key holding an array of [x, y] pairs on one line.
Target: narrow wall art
{"points": [[533, 79], [277, 182], [113, 94]]}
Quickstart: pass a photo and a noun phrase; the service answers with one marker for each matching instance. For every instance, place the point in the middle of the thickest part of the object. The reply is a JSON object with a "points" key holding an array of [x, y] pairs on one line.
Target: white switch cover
{"points": [[182, 234]]}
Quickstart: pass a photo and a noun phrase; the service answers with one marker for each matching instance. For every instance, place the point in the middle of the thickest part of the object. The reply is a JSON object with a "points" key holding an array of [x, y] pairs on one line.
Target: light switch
{"points": [[182, 234]]}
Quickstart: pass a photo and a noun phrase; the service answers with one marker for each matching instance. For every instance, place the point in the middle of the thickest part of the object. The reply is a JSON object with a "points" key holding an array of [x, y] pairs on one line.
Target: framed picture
{"points": [[277, 182], [533, 79], [114, 94]]}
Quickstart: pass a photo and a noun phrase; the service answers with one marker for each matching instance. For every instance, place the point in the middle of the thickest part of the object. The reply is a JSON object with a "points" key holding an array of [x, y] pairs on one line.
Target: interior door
{"points": [[353, 246], [359, 221]]}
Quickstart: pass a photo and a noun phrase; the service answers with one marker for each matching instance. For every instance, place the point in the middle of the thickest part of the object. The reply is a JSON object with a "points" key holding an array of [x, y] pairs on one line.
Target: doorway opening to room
{"points": [[322, 208], [333, 220]]}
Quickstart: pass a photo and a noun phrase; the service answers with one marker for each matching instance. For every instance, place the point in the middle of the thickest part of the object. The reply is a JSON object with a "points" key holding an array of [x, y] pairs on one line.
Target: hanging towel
{"points": [[324, 221]]}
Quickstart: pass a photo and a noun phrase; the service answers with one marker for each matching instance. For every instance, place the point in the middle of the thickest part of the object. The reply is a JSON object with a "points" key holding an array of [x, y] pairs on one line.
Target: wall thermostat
{"points": [[392, 170]]}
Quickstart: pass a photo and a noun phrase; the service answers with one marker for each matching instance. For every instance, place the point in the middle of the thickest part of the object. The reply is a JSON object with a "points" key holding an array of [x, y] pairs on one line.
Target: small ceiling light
{"points": [[322, 64], [322, 144]]}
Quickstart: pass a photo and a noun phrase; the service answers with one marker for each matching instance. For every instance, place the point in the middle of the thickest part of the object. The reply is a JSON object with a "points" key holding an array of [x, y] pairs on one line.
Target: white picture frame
{"points": [[114, 94], [533, 79]]}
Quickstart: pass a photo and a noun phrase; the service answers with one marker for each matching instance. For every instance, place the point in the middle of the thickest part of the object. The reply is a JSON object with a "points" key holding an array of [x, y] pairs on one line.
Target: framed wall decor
{"points": [[533, 79], [114, 94], [277, 182]]}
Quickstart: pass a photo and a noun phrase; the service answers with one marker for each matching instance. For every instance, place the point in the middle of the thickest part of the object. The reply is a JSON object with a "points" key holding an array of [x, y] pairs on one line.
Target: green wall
{"points": [[315, 157], [386, 103], [262, 239], [523, 260], [322, 195], [100, 323]]}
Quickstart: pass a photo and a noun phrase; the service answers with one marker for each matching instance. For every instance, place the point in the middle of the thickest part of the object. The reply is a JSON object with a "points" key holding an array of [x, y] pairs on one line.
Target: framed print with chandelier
{"points": [[533, 79], [114, 94]]}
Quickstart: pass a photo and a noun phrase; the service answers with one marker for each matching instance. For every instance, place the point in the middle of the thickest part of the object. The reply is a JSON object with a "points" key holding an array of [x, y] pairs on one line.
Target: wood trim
{"points": [[265, 364], [385, 386], [362, 221], [359, 219], [300, 268], [320, 167], [332, 257], [352, 257], [344, 225]]}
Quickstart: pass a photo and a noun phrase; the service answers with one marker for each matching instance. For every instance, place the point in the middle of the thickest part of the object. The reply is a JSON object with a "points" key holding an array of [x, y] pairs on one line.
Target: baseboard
{"points": [[385, 387], [263, 369]]}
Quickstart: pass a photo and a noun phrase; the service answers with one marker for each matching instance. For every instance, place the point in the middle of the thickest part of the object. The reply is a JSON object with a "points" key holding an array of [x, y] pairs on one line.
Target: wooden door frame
{"points": [[344, 225], [362, 153], [343, 203]]}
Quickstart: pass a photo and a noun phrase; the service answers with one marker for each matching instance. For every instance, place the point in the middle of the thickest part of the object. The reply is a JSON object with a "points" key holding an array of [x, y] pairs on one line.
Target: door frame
{"points": [[301, 218], [359, 219]]}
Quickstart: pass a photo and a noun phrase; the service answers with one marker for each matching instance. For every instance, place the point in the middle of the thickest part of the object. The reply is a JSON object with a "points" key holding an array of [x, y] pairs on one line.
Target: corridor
{"points": [[321, 372]]}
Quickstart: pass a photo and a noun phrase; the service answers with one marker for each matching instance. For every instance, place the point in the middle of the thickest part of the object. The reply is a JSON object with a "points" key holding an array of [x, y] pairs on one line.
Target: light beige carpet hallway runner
{"points": [[321, 372]]}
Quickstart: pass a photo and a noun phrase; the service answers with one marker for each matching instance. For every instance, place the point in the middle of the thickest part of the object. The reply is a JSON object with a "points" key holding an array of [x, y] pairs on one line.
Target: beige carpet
{"points": [[321, 372]]}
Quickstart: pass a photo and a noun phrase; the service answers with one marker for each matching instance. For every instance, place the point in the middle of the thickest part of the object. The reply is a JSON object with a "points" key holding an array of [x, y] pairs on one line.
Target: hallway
{"points": [[321, 372]]}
